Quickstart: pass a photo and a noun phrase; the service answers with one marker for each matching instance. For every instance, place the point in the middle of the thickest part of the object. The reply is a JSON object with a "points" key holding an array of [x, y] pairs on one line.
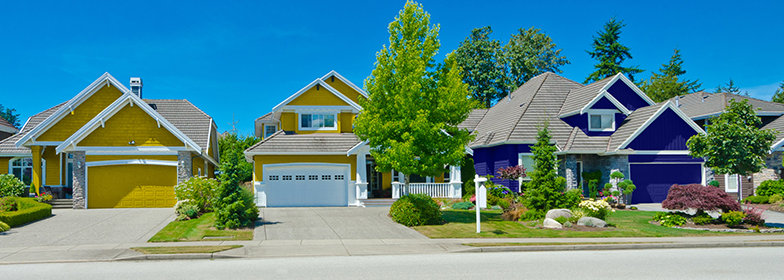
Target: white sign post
{"points": [[481, 199]]}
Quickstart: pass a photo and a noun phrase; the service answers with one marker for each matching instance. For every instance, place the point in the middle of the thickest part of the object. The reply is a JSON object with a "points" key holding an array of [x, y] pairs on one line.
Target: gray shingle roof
{"points": [[701, 104], [473, 119], [579, 97], [266, 117], [6, 123], [186, 117], [286, 143], [8, 145], [778, 125]]}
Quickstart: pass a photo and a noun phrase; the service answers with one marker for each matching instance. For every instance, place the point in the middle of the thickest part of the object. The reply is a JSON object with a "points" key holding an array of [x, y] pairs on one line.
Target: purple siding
{"points": [[626, 95], [581, 121], [663, 158], [488, 160], [653, 181], [668, 132], [605, 103]]}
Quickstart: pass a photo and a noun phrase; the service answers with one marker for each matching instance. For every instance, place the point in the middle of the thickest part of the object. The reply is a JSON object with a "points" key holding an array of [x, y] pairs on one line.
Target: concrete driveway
{"points": [[330, 223], [94, 226]]}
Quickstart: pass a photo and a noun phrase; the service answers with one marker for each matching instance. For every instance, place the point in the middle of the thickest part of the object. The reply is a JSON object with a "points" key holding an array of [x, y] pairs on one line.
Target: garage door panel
{"points": [[131, 186], [306, 185], [653, 181]]}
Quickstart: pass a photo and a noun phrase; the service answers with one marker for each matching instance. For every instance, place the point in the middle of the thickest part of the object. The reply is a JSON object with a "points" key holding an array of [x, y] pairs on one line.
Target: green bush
{"points": [[415, 210], [201, 191], [714, 183], [669, 219], [4, 227], [776, 198], [187, 208], [733, 218], [771, 187], [532, 214], [462, 205], [236, 208], [503, 203], [10, 185], [756, 199], [702, 219], [578, 213], [29, 211], [499, 191], [562, 220], [8, 203]]}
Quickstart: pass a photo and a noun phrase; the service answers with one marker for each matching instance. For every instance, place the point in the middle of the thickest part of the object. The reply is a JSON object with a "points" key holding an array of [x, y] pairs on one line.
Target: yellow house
{"points": [[309, 155], [108, 148]]}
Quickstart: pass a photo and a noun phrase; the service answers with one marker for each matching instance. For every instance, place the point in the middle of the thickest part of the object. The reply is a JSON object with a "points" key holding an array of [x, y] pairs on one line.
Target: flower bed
{"points": [[29, 211]]}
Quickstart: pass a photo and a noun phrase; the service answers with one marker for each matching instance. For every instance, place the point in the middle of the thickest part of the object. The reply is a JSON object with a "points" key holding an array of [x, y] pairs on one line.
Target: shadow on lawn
{"points": [[469, 216]]}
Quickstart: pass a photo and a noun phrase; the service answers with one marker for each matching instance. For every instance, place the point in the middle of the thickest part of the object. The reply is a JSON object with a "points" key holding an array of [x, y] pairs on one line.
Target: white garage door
{"points": [[306, 185]]}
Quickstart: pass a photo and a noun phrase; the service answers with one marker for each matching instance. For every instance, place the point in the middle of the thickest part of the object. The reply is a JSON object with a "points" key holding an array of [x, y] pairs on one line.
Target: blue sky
{"points": [[238, 59]]}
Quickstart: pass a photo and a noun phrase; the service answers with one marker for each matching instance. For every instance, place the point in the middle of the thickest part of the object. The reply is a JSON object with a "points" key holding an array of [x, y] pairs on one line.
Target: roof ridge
{"points": [[511, 131], [570, 140]]}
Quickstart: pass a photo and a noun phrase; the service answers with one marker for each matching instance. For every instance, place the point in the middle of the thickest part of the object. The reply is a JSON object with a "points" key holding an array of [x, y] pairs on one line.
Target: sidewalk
{"points": [[363, 247]]}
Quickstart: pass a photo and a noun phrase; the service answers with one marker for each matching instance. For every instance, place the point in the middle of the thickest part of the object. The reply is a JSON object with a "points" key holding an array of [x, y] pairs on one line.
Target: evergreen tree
{"points": [[545, 190], [10, 115], [234, 207], [667, 84], [610, 53], [480, 59], [530, 52], [778, 96], [730, 87]]}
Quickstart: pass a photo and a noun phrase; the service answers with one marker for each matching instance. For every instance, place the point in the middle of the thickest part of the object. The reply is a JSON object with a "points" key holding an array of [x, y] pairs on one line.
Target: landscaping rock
{"points": [[550, 223], [555, 213], [591, 222]]}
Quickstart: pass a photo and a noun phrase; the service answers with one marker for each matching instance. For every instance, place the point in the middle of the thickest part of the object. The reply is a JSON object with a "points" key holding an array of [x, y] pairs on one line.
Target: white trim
{"points": [[704, 178], [104, 80], [320, 109], [326, 86], [43, 175], [30, 155], [60, 175], [131, 161], [8, 129], [334, 126], [612, 99], [140, 150], [520, 162], [504, 143], [292, 153], [591, 113], [654, 117], [346, 81], [350, 184], [45, 143], [727, 183], [469, 151], [357, 147], [70, 143], [670, 152]]}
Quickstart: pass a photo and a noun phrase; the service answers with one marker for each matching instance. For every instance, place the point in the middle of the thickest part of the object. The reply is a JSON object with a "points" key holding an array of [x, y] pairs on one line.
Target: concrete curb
{"points": [[159, 257], [597, 247]]}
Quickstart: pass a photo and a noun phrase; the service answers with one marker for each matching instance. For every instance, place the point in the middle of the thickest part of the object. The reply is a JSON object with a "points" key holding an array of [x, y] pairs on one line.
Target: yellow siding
{"points": [[344, 89], [52, 166], [105, 158], [210, 170], [131, 186], [4, 165], [81, 114], [345, 122], [318, 97], [131, 124], [259, 161], [210, 150], [198, 164], [386, 180], [288, 121], [439, 179]]}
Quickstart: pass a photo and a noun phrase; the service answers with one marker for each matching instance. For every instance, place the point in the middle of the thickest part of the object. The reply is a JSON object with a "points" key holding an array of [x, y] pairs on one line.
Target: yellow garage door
{"points": [[131, 186]]}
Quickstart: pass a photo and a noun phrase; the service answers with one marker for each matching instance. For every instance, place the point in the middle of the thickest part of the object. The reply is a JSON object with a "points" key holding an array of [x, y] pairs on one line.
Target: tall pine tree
{"points": [[610, 53], [778, 96], [668, 84]]}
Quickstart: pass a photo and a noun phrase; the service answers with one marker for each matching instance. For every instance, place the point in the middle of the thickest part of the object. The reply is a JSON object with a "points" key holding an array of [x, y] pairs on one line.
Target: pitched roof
{"points": [[266, 117], [288, 143], [186, 117], [473, 119], [581, 96], [703, 104], [7, 126], [8, 145], [778, 125]]}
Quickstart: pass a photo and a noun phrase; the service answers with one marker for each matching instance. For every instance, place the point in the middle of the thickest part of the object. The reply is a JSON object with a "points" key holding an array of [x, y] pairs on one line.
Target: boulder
{"points": [[555, 213], [591, 222], [550, 223]]}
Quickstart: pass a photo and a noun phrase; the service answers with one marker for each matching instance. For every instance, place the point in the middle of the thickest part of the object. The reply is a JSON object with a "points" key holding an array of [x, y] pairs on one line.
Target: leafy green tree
{"points": [[667, 84], [778, 96], [733, 144], [411, 117], [234, 207], [480, 58], [610, 53], [545, 190], [730, 87], [528, 53], [232, 143], [10, 115]]}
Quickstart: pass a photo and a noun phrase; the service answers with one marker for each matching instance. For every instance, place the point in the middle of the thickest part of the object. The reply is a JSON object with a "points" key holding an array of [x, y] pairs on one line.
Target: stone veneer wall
{"points": [[772, 171], [79, 180], [184, 166], [590, 163]]}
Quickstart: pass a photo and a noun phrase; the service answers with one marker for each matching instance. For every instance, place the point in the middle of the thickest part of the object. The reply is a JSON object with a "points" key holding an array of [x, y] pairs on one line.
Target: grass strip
{"points": [[183, 249], [197, 229], [499, 244]]}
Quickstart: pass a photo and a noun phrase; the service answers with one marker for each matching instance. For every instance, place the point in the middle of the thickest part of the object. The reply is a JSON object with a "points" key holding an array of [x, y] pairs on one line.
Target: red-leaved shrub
{"points": [[753, 215], [699, 197]]}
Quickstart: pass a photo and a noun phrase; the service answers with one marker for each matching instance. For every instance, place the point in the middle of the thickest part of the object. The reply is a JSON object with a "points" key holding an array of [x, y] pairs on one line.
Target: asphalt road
{"points": [[719, 263]]}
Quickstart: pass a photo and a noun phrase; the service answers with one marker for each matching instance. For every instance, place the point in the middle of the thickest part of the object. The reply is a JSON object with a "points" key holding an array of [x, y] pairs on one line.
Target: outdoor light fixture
{"points": [[132, 142]]}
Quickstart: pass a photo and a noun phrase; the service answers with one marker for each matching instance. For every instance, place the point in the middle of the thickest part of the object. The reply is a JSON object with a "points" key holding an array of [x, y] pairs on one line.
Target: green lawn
{"points": [[197, 230], [462, 224]]}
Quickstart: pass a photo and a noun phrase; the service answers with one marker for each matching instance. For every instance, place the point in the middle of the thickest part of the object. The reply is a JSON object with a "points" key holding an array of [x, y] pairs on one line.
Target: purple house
{"points": [[607, 126]]}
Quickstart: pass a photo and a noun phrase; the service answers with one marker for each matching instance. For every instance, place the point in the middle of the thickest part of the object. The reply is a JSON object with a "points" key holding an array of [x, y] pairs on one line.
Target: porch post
{"points": [[362, 183], [79, 180], [37, 172], [455, 175]]}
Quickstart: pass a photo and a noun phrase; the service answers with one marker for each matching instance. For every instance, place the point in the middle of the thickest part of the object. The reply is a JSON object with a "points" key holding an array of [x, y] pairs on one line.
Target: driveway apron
{"points": [[330, 223], [94, 226]]}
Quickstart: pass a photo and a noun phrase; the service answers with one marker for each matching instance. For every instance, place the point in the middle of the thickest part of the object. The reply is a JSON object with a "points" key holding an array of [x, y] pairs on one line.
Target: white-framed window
{"points": [[318, 121], [601, 122], [527, 161], [22, 168], [269, 130], [731, 183]]}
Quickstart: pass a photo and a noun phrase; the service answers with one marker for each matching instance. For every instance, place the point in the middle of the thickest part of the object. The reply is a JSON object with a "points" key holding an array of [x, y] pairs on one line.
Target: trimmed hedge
{"points": [[756, 199], [415, 210], [29, 211], [771, 187]]}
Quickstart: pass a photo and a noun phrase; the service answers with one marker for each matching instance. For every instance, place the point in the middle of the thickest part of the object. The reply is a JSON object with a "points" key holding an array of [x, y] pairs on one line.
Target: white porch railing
{"points": [[436, 190]]}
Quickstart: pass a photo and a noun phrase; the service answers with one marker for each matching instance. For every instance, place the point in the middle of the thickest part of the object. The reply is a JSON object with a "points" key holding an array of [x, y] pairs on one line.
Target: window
{"points": [[731, 183], [313, 177], [300, 177], [326, 177], [22, 168], [269, 130], [273, 178], [338, 177], [527, 161], [605, 122], [317, 121], [286, 177]]}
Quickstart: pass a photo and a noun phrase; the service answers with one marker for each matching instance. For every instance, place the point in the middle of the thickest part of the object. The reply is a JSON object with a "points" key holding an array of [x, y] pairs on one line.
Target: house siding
{"points": [[668, 132], [318, 96], [581, 121], [488, 160], [80, 115], [131, 123], [627, 96]]}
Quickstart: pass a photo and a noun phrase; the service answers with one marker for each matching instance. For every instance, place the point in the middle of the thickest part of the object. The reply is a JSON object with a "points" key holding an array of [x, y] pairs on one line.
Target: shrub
{"points": [[756, 199], [201, 191], [771, 187], [702, 219], [4, 227], [733, 218], [671, 220], [699, 197], [596, 208], [776, 198], [753, 215], [514, 212], [544, 198], [465, 205], [499, 191], [504, 203], [236, 207], [29, 211], [492, 200], [571, 199], [415, 210], [10, 185], [532, 214], [561, 219], [714, 183], [578, 213], [187, 208], [8, 203]]}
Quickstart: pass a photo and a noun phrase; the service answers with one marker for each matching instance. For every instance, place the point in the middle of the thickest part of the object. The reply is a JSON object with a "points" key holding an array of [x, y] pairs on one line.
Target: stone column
{"points": [[570, 170], [79, 180], [184, 166]]}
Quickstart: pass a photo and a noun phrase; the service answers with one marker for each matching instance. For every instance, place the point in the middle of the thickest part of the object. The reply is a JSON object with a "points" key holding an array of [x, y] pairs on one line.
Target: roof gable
{"points": [[627, 93], [317, 93], [130, 125], [669, 127], [334, 77], [618, 89]]}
